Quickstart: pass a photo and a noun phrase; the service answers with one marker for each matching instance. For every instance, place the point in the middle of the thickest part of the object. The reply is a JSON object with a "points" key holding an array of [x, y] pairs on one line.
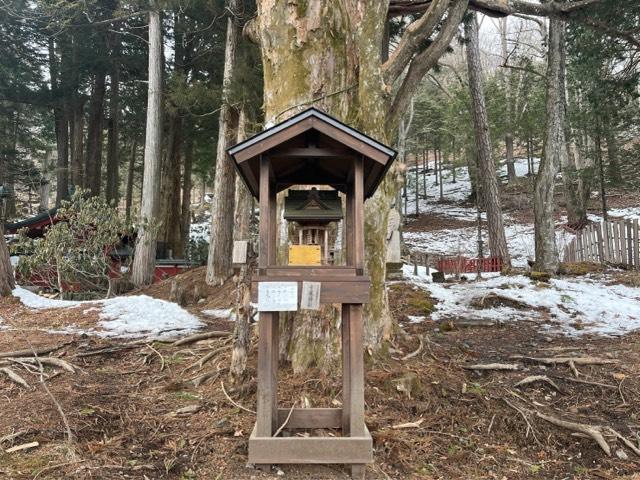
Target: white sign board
{"points": [[240, 251], [310, 296], [277, 296]]}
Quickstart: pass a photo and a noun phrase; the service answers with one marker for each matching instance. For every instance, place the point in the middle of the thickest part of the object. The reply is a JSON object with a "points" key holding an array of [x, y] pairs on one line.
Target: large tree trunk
{"points": [[327, 53], [490, 190], [613, 166], [77, 145], [170, 230], [113, 156], [577, 175], [330, 50], [242, 332], [130, 173], [508, 120], [244, 200], [76, 120], [145, 253], [7, 282], [221, 240], [187, 186], [45, 182], [555, 152], [61, 128], [93, 162]]}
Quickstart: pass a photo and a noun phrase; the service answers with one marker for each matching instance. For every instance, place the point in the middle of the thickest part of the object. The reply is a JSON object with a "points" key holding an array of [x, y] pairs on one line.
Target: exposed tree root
{"points": [[566, 360], [537, 378], [493, 366], [200, 336], [14, 377], [40, 351], [593, 431], [52, 361]]}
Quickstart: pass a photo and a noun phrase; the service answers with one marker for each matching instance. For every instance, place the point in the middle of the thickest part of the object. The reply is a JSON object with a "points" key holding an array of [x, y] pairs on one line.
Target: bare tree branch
{"points": [[427, 59], [415, 34], [498, 8]]}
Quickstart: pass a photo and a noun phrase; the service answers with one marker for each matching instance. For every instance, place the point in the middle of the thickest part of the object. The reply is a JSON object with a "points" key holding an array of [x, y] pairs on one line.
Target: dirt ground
{"points": [[135, 412]]}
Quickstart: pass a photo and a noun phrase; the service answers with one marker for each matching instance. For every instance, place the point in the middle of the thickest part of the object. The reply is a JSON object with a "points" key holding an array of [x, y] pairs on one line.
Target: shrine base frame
{"points": [[354, 448]]}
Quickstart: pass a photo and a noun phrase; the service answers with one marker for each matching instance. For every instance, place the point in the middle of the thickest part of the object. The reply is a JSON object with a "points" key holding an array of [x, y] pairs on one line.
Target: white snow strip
{"points": [[33, 300], [136, 316], [575, 306], [220, 313]]}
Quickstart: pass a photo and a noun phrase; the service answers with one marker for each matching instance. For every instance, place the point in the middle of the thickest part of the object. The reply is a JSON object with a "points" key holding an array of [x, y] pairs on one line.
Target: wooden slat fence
{"points": [[616, 242], [460, 264]]}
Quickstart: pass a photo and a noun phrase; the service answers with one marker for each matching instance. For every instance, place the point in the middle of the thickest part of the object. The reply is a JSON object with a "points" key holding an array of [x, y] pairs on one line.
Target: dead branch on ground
{"points": [[593, 431], [200, 336], [537, 378], [492, 366], [14, 377]]}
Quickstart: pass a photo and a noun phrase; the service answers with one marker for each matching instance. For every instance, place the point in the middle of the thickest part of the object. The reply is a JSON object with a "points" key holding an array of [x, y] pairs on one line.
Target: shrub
{"points": [[74, 253]]}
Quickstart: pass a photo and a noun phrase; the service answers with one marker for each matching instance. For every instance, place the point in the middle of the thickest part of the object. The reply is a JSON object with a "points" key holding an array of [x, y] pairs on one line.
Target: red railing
{"points": [[462, 264]]}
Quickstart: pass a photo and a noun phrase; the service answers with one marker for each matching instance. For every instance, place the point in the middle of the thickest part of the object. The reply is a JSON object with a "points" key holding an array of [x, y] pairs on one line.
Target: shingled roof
{"points": [[313, 205]]}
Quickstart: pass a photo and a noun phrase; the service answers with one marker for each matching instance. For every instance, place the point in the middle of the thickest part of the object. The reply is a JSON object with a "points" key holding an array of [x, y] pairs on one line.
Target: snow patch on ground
{"points": [[452, 192], [136, 316], [220, 313], [576, 306], [464, 241]]}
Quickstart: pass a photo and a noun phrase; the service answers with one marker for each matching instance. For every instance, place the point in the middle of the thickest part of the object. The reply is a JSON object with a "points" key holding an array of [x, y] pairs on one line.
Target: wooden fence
{"points": [[616, 242], [460, 264]]}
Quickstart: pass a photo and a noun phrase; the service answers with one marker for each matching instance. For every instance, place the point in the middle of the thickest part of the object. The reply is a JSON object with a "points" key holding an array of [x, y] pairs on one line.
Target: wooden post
{"points": [[356, 376], [636, 243], [616, 242], [605, 238], [358, 216], [629, 244], [346, 369], [267, 414], [600, 243]]}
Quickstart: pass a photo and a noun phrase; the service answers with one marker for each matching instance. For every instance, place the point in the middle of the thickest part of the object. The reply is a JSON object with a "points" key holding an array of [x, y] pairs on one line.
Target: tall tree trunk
{"points": [[506, 78], [7, 282], [554, 154], [577, 176], [487, 169], [244, 201], [145, 253], [327, 53], [61, 128], [613, 166], [241, 332], [187, 186], [130, 172], [45, 182], [171, 213], [319, 67], [77, 145], [221, 240], [93, 161], [113, 156], [598, 154]]}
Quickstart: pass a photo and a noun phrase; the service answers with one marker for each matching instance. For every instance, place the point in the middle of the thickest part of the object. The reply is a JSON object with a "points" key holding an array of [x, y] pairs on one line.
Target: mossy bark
{"points": [[327, 53]]}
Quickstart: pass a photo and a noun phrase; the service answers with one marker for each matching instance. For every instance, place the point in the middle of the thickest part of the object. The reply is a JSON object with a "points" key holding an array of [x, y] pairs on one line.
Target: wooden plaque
{"points": [[240, 252], [305, 255], [310, 299]]}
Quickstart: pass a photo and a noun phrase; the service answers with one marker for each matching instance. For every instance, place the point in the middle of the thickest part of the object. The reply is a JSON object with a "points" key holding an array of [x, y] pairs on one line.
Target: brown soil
{"points": [[122, 405]]}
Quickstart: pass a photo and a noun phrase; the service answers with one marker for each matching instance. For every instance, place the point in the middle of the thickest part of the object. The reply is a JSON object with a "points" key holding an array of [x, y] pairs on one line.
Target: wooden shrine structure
{"points": [[311, 148]]}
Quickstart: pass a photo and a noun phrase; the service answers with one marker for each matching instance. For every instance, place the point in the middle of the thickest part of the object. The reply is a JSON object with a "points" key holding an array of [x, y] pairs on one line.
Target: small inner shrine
{"points": [[314, 214], [328, 169]]}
